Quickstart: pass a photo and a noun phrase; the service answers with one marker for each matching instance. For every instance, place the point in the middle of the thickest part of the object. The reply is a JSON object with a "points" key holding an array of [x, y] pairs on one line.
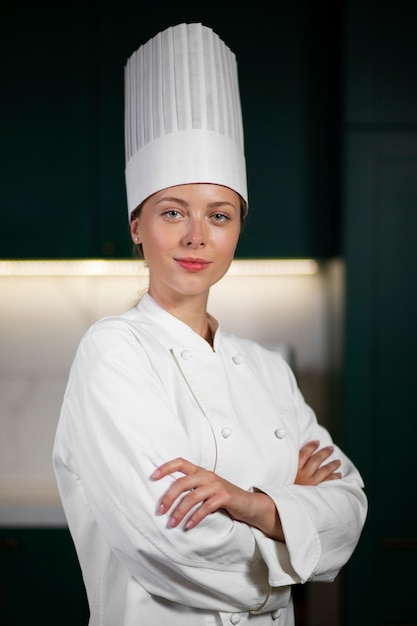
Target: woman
{"points": [[197, 484]]}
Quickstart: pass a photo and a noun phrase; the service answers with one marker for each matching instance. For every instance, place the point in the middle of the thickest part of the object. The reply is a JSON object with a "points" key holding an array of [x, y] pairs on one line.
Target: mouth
{"points": [[192, 264]]}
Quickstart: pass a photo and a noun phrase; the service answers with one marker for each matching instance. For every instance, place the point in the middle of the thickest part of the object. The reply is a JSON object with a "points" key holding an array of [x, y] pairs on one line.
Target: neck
{"points": [[190, 310]]}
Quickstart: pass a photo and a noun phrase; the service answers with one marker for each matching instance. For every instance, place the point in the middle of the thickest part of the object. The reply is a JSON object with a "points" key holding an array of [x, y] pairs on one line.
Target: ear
{"points": [[134, 231]]}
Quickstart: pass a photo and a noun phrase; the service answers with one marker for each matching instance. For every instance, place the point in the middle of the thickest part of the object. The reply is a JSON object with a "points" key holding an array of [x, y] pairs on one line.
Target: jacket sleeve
{"points": [[322, 524], [116, 426]]}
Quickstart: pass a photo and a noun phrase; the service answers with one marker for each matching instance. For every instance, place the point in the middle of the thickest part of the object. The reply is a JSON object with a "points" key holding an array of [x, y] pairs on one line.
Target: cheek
{"points": [[228, 242], [157, 247], [153, 241]]}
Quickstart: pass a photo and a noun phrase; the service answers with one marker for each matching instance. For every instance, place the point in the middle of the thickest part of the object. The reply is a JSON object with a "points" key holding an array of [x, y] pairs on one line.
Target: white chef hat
{"points": [[183, 121]]}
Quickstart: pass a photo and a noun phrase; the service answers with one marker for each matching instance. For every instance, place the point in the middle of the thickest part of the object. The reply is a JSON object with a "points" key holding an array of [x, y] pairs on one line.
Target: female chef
{"points": [[197, 484]]}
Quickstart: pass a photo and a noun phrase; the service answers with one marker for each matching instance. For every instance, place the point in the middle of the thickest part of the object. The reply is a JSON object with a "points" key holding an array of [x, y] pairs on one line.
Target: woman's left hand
{"points": [[312, 469]]}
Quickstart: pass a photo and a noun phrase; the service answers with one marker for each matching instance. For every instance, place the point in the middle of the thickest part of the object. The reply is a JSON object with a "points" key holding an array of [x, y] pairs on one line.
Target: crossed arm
{"points": [[209, 492]]}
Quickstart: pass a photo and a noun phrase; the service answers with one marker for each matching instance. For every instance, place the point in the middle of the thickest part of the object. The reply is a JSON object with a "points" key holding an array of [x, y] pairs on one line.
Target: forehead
{"points": [[197, 192]]}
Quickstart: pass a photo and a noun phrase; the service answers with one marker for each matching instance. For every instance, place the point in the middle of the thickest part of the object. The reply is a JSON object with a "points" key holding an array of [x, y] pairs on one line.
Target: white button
{"points": [[275, 614], [235, 618], [280, 433], [226, 432], [186, 354], [238, 359]]}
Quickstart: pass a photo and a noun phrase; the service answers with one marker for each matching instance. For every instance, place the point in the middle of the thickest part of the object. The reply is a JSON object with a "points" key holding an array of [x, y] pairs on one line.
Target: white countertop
{"points": [[32, 515], [26, 503]]}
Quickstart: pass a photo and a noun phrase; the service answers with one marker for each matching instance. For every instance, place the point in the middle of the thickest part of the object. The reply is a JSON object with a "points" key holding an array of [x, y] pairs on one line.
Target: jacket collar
{"points": [[174, 328]]}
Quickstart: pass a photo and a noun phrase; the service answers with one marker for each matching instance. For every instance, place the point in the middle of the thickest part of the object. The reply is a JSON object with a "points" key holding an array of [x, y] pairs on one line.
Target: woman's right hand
{"points": [[311, 470], [207, 492]]}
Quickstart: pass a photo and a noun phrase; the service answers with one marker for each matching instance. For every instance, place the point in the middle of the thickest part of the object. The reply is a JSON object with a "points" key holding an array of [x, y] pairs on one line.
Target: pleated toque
{"points": [[183, 120]]}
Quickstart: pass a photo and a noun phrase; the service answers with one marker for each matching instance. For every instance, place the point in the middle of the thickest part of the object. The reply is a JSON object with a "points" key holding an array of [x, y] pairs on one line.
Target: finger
{"points": [[201, 501], [306, 451], [334, 476], [213, 493], [180, 486], [174, 465], [207, 508], [317, 459], [183, 509], [325, 471], [197, 499]]}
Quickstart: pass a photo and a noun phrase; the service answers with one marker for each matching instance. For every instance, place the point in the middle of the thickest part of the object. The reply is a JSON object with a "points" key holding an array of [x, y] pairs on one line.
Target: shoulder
{"points": [[111, 325], [116, 333]]}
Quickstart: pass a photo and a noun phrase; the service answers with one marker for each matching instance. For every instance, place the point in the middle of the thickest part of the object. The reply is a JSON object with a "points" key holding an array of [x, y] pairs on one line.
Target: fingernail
{"points": [[189, 524], [161, 508], [172, 521], [156, 473]]}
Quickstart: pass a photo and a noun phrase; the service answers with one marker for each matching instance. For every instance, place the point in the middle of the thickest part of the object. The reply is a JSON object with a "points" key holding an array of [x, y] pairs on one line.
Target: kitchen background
{"points": [[329, 99]]}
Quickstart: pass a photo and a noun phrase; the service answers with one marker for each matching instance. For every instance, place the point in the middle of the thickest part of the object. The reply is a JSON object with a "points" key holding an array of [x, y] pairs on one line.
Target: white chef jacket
{"points": [[144, 389]]}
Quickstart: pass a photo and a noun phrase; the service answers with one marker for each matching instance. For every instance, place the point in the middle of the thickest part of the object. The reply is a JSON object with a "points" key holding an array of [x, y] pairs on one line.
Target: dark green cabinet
{"points": [[381, 305], [381, 341], [44, 189], [40, 579], [62, 177]]}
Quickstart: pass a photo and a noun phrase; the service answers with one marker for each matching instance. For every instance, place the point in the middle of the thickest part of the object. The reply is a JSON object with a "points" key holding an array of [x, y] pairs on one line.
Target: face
{"points": [[189, 235]]}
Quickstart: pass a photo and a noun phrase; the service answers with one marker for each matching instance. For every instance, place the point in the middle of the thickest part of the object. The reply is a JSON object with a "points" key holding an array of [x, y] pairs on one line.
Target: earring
{"points": [[136, 239]]}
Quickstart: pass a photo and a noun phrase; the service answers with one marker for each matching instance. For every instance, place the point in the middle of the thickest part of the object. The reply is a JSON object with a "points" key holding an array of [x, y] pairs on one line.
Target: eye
{"points": [[220, 217], [172, 214]]}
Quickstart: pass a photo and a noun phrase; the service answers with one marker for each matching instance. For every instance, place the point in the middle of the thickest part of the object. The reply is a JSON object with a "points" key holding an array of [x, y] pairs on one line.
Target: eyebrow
{"points": [[171, 199], [212, 205]]}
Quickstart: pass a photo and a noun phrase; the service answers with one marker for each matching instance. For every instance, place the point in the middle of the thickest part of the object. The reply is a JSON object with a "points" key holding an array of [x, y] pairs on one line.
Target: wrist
{"points": [[264, 516]]}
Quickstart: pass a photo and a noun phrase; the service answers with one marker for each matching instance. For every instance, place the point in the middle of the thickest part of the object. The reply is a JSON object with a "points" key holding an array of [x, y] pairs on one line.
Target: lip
{"points": [[192, 264]]}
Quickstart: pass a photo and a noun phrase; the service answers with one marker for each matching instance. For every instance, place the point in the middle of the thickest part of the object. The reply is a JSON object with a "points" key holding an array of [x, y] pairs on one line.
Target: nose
{"points": [[195, 235]]}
